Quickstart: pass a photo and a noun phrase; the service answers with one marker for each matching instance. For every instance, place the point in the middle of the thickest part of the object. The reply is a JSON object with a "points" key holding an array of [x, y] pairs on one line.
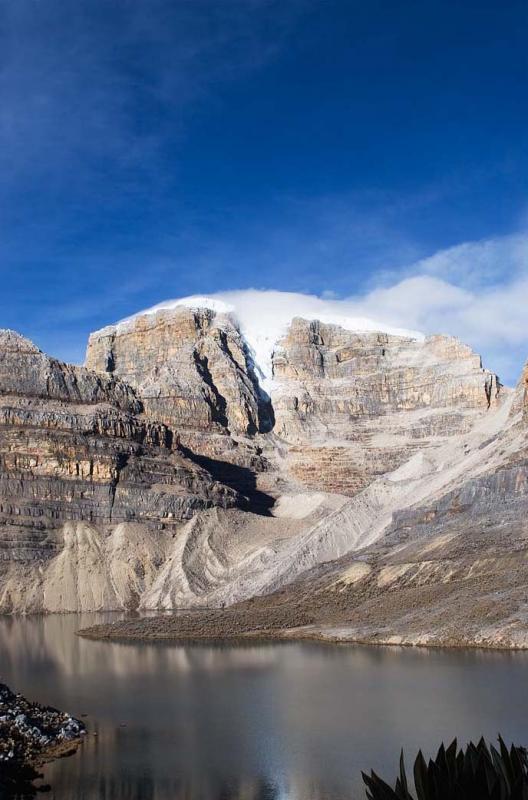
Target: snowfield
{"points": [[264, 316]]}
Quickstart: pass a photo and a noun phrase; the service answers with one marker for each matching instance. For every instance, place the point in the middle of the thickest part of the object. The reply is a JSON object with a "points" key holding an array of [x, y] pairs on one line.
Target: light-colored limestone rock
{"points": [[355, 405], [161, 475], [191, 368], [76, 447]]}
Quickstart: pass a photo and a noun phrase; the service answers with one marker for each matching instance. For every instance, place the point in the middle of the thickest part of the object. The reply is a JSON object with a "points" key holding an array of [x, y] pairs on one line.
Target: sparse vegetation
{"points": [[479, 772]]}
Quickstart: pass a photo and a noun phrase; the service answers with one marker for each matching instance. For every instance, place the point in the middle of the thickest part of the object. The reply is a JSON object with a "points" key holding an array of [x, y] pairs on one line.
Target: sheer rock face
{"points": [[374, 374], [191, 368], [349, 406], [75, 447], [27, 372], [356, 405]]}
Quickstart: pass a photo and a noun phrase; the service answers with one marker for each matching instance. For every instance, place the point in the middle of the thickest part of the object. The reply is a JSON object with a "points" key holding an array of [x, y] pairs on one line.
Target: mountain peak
{"points": [[263, 317]]}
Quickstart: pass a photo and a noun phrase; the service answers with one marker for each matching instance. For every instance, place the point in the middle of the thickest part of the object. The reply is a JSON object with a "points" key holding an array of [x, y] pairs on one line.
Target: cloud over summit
{"points": [[476, 291]]}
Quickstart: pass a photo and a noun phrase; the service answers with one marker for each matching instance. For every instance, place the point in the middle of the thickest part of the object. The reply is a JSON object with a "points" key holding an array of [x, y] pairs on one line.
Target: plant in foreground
{"points": [[477, 773]]}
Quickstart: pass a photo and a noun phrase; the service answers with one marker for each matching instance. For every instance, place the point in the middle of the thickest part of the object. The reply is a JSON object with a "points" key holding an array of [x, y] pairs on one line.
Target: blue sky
{"points": [[369, 150]]}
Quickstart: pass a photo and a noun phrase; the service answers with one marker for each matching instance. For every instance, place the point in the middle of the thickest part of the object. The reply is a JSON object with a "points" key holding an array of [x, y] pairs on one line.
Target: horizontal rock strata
{"points": [[356, 405], [447, 567], [77, 450], [161, 475], [190, 366]]}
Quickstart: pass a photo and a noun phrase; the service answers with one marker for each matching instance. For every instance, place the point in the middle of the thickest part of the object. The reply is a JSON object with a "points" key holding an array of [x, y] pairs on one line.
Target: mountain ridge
{"points": [[241, 491]]}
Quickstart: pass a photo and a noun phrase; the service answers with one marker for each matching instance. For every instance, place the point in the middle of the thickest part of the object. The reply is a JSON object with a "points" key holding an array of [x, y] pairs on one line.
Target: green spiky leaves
{"points": [[477, 773]]}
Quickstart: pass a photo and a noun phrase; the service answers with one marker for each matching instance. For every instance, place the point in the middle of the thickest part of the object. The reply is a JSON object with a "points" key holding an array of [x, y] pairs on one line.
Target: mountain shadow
{"points": [[241, 479]]}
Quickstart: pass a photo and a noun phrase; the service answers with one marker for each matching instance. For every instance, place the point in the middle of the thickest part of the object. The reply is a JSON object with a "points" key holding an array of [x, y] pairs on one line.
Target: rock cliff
{"points": [[163, 475], [191, 367], [78, 459], [436, 554], [356, 405], [193, 371], [343, 406]]}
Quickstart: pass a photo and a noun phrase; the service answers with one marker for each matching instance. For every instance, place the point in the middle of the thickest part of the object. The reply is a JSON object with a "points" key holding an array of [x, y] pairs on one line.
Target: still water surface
{"points": [[260, 721]]}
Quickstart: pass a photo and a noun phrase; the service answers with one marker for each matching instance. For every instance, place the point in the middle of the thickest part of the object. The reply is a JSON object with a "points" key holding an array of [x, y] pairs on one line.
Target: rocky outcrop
{"points": [[348, 406], [193, 372], [356, 405], [191, 368], [377, 373], [29, 735], [77, 452]]}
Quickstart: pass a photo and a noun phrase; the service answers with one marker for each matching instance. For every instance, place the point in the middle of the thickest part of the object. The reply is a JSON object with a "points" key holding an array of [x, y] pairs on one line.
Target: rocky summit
{"points": [[334, 477]]}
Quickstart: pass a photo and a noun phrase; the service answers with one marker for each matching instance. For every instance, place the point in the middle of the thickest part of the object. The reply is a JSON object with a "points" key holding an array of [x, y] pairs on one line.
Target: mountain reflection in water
{"points": [[255, 721]]}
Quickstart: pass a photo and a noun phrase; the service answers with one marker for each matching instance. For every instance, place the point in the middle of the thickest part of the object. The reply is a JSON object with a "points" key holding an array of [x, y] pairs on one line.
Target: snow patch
{"points": [[263, 318]]}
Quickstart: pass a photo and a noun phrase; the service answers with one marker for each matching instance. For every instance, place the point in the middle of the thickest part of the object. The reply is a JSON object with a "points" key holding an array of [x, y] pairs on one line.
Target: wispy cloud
{"points": [[96, 103], [97, 97], [476, 290], [98, 219], [71, 90]]}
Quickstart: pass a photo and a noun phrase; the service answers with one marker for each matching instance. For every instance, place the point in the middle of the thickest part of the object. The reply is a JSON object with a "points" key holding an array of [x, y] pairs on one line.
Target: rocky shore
{"points": [[30, 735]]}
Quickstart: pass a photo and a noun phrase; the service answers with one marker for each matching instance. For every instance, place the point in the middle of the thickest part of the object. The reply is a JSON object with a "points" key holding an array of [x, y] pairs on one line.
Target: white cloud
{"points": [[477, 291], [492, 318]]}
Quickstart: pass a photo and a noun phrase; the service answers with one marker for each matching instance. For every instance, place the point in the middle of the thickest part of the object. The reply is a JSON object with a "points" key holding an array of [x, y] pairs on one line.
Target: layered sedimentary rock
{"points": [[162, 475], [434, 553], [356, 405], [347, 405], [367, 415], [447, 566], [190, 366], [78, 455], [193, 371]]}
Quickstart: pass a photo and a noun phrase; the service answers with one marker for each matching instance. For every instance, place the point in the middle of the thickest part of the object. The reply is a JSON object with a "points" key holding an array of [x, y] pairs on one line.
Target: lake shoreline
{"points": [[145, 631], [273, 710]]}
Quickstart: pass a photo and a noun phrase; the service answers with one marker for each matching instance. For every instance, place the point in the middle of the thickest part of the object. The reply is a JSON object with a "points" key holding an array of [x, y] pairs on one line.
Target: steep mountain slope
{"points": [[199, 460], [348, 407], [353, 406], [192, 369], [79, 462], [351, 525], [450, 568]]}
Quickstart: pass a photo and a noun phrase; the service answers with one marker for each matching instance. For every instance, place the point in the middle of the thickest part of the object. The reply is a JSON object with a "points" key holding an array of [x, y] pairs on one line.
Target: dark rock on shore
{"points": [[31, 734]]}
